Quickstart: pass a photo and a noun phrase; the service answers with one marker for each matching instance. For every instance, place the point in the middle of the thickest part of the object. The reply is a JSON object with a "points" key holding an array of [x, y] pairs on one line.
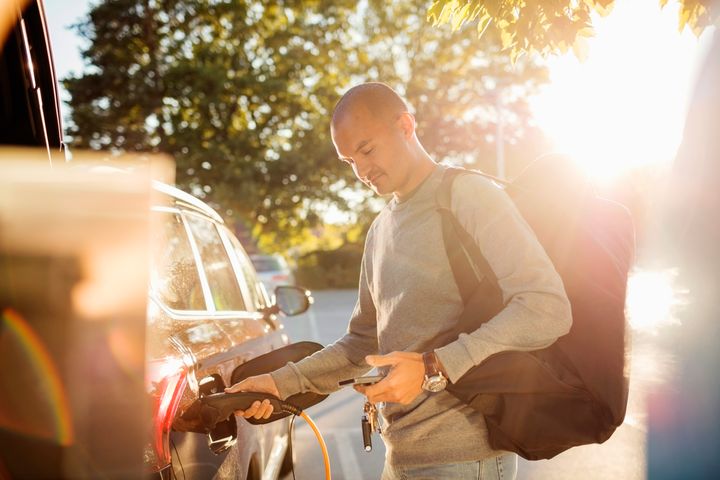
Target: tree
{"points": [[237, 92], [457, 85], [549, 26], [240, 94]]}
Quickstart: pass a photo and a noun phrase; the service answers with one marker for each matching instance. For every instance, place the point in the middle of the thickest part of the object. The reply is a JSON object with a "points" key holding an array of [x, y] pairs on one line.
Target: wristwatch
{"points": [[434, 381]]}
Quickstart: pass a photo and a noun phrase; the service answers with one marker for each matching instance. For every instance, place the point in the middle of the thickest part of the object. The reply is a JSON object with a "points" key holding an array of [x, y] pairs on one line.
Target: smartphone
{"points": [[367, 380]]}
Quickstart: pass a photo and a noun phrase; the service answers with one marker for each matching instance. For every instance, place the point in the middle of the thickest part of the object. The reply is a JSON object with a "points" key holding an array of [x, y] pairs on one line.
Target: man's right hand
{"points": [[259, 383]]}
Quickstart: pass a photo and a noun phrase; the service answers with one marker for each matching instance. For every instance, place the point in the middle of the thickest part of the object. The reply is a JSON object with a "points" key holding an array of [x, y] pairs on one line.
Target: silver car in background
{"points": [[273, 271]]}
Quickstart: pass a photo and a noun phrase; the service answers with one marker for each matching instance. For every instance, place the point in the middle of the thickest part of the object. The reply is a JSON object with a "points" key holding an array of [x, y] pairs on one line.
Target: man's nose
{"points": [[362, 168]]}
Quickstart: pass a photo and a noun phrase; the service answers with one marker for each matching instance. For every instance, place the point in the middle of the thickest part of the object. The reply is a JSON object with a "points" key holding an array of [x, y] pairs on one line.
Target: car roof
{"points": [[187, 200]]}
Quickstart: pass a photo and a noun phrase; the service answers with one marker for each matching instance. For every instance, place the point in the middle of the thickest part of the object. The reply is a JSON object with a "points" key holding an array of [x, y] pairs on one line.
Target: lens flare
{"points": [[43, 365], [653, 299]]}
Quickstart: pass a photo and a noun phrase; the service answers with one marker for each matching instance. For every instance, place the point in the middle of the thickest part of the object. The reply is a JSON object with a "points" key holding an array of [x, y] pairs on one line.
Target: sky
{"points": [[622, 107], [66, 44]]}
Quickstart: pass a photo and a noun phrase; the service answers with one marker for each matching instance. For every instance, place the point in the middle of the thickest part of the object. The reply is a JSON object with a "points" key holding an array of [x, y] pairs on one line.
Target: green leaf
{"points": [[478, 7], [683, 17], [581, 49], [604, 7], [506, 38], [515, 54], [447, 11], [587, 31], [483, 24], [433, 13], [459, 17]]}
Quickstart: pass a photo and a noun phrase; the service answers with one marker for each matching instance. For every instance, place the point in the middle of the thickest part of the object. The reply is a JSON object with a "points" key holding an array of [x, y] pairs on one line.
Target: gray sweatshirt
{"points": [[407, 296]]}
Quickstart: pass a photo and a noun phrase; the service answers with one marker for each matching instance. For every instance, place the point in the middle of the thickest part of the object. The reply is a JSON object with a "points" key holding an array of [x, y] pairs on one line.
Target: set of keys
{"points": [[369, 424]]}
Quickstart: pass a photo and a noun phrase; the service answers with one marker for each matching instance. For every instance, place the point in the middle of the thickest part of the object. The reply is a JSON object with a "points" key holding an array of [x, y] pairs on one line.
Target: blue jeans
{"points": [[503, 467]]}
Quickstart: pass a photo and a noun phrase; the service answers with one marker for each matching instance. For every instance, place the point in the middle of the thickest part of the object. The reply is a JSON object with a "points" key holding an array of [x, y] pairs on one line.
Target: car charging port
{"points": [[211, 384], [223, 434], [210, 412], [190, 420], [217, 407]]}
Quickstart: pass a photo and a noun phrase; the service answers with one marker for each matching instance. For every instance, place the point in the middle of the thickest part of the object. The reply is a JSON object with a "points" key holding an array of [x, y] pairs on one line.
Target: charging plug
{"points": [[227, 403], [219, 406]]}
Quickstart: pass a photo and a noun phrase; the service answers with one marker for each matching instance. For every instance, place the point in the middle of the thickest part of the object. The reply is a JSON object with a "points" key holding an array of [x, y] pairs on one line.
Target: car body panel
{"points": [[213, 343]]}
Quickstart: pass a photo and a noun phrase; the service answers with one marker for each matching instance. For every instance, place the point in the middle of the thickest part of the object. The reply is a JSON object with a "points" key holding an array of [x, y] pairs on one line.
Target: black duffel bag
{"points": [[574, 392]]}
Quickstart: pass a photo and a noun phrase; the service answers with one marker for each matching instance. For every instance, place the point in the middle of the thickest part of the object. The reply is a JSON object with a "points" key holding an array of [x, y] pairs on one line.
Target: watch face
{"points": [[434, 384]]}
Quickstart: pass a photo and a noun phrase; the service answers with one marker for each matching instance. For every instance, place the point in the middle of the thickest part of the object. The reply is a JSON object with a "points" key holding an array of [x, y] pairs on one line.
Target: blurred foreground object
{"points": [[7, 14], [684, 414], [74, 255], [29, 105]]}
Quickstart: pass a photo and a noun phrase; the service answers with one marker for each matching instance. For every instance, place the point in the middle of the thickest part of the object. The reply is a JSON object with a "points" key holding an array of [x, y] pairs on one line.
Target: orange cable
{"points": [[326, 457]]}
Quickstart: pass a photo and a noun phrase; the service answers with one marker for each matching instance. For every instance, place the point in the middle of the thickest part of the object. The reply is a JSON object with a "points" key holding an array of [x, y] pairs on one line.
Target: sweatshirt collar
{"points": [[425, 190]]}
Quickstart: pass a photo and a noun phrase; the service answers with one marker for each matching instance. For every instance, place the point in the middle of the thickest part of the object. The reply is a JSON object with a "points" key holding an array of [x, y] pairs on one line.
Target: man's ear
{"points": [[406, 122]]}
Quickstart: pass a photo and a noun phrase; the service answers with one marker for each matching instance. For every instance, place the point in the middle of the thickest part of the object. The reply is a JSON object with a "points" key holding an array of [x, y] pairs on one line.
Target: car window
{"points": [[218, 269], [255, 287], [174, 278]]}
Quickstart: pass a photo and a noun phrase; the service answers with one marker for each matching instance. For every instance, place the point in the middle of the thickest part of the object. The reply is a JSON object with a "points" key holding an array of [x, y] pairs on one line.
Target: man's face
{"points": [[377, 149]]}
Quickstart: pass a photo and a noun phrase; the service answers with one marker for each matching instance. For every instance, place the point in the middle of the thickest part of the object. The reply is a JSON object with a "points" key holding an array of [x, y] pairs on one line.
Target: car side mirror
{"points": [[292, 300]]}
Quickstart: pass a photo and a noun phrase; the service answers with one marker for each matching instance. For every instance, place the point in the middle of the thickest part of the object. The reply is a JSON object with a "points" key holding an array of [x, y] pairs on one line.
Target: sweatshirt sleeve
{"points": [[537, 310], [341, 360]]}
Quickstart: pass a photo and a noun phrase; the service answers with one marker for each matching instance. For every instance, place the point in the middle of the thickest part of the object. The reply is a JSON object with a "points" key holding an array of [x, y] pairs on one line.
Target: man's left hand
{"points": [[402, 384]]}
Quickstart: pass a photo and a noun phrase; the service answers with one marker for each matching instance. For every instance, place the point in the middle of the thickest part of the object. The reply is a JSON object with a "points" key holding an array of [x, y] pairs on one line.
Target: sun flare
{"points": [[654, 299], [625, 105]]}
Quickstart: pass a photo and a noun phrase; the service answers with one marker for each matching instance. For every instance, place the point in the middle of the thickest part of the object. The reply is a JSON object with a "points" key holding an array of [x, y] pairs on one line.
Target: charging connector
{"points": [[227, 403], [219, 406]]}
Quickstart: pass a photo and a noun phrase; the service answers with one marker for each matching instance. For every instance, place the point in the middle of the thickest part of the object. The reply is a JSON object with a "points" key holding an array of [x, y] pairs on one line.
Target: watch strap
{"points": [[432, 365]]}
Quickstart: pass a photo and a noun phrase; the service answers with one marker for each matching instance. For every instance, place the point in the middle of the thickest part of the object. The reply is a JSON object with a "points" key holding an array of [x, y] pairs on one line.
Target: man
{"points": [[408, 297]]}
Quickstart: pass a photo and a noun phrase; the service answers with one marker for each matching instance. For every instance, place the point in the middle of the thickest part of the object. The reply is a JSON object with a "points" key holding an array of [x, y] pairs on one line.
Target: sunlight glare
{"points": [[653, 299], [625, 105]]}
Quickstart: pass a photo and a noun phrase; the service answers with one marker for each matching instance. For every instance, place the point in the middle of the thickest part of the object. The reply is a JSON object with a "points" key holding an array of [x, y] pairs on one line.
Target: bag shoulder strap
{"points": [[467, 262]]}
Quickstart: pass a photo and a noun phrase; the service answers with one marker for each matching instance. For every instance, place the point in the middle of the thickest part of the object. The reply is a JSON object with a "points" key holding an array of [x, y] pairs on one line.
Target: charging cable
{"points": [[321, 441], [219, 406], [288, 408]]}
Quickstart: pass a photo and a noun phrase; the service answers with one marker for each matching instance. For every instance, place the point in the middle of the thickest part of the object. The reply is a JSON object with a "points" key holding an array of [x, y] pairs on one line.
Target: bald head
{"points": [[374, 133], [377, 99]]}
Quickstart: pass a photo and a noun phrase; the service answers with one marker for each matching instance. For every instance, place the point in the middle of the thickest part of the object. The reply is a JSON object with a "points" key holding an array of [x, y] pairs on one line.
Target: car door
{"points": [[180, 336], [239, 300], [213, 311]]}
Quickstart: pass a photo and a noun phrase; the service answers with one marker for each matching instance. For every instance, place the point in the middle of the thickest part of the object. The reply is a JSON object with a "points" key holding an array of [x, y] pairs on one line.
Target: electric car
{"points": [[207, 311], [208, 314]]}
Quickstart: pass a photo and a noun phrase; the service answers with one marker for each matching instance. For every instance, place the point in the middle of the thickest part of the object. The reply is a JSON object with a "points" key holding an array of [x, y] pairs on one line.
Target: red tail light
{"points": [[277, 278], [165, 381]]}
